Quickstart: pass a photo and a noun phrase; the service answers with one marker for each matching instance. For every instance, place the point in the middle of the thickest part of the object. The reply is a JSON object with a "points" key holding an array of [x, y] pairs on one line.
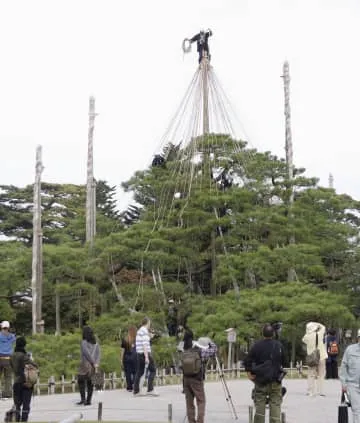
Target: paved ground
{"points": [[120, 405]]}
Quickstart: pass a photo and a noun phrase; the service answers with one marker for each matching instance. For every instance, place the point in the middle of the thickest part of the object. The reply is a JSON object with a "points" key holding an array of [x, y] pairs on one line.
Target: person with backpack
{"points": [[316, 357], [89, 365], [264, 366], [129, 357], [332, 346], [25, 377], [193, 379]]}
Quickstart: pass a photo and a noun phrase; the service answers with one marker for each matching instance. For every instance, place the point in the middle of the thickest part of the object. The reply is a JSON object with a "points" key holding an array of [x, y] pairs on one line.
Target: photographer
{"points": [[264, 366], [194, 374]]}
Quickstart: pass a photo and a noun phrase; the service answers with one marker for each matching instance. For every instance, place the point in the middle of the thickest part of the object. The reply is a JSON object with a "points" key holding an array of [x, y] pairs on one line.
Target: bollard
{"points": [[51, 386], [100, 408], [251, 414], [283, 418], [169, 413]]}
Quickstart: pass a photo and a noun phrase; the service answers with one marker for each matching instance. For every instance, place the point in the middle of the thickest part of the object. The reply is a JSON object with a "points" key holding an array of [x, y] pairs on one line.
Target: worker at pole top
{"points": [[202, 42]]}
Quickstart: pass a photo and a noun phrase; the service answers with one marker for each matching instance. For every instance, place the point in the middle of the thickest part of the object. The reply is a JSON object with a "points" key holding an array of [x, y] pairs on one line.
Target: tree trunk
{"points": [[57, 311], [213, 264]]}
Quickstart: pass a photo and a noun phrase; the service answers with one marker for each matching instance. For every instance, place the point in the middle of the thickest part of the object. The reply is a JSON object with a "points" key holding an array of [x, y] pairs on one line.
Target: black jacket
{"points": [[17, 362], [264, 350], [202, 40]]}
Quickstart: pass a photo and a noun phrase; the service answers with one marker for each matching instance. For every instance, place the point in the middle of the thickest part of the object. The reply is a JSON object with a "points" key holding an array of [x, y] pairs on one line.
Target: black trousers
{"points": [[22, 399], [85, 384], [332, 369], [129, 362], [140, 369], [201, 49]]}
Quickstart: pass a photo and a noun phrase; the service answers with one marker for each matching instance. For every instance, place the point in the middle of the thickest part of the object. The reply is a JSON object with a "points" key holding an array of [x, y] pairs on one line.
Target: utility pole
{"points": [[331, 181], [90, 181], [37, 268], [289, 151]]}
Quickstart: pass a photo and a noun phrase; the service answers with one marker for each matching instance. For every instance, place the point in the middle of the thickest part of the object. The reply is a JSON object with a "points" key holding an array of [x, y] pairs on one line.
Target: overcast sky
{"points": [[54, 54]]}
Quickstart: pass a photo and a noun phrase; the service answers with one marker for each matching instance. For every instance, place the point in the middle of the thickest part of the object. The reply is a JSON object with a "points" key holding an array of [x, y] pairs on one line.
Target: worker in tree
{"points": [[202, 42]]}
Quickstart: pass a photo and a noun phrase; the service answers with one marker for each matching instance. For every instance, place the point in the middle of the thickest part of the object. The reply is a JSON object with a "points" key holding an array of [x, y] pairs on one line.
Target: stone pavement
{"points": [[120, 405]]}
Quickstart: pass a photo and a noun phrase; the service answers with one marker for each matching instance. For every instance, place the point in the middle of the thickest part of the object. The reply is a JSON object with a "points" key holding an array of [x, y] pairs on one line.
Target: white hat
{"points": [[5, 324]]}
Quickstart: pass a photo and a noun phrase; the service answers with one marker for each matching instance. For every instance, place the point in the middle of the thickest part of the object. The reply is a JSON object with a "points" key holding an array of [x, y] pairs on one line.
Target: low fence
{"points": [[163, 377]]}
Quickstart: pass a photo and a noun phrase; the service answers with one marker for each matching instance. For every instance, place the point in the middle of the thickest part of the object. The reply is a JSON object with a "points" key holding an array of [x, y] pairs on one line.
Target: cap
{"points": [[5, 324]]}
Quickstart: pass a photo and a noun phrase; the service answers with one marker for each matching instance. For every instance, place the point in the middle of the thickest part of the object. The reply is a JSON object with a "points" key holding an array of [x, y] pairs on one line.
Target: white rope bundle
{"points": [[186, 45]]}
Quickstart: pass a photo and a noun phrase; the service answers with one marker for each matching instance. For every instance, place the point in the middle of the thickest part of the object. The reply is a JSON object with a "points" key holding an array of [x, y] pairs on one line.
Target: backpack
{"points": [[333, 348], [191, 362], [31, 373], [313, 359]]}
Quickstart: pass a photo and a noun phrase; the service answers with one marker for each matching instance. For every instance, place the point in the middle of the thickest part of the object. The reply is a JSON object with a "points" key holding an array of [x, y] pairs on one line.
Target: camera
{"points": [[277, 326], [281, 375]]}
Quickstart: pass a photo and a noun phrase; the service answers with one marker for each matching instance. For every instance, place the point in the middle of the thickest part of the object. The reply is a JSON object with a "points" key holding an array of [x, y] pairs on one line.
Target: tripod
{"points": [[226, 388]]}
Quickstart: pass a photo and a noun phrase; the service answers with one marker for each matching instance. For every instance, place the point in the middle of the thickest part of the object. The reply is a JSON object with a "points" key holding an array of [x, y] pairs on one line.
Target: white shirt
{"points": [[143, 340]]}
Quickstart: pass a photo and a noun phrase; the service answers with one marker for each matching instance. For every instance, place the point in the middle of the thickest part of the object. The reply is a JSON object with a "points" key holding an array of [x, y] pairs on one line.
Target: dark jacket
{"points": [[17, 362], [202, 40], [262, 351]]}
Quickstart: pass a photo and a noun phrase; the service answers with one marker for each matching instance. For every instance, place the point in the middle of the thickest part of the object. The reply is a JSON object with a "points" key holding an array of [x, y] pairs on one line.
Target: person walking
{"points": [[144, 360], [314, 340], [264, 366], [350, 376], [193, 379], [332, 347], [22, 394], [89, 364], [7, 341], [129, 357]]}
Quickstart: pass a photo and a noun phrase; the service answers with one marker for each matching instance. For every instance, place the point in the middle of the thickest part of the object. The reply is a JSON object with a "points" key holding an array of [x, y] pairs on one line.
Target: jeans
{"points": [[129, 363], [22, 399], [140, 370]]}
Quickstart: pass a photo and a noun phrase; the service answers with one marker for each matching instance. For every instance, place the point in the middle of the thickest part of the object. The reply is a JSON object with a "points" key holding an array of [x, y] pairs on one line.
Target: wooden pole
{"points": [[289, 153], [288, 133], [204, 66], [37, 268], [90, 181]]}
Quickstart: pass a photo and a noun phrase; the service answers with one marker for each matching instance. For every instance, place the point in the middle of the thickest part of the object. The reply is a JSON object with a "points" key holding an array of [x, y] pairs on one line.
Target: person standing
{"points": [[144, 359], [129, 357], [89, 364], [314, 339], [264, 366], [202, 43], [7, 340], [22, 393], [193, 379], [332, 347], [350, 377]]}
